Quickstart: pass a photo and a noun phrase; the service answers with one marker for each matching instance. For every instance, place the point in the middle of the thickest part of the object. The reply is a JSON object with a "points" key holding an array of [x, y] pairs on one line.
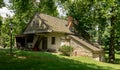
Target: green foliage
{"points": [[100, 18], [5, 33], [25, 9], [66, 50], [30, 7], [1, 4], [0, 21], [89, 16], [0, 28]]}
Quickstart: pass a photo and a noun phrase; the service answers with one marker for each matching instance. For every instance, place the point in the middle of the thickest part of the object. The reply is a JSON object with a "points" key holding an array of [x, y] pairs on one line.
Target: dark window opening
{"points": [[53, 40]]}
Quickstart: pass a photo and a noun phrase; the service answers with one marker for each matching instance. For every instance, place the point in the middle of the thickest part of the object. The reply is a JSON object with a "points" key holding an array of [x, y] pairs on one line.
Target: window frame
{"points": [[53, 40]]}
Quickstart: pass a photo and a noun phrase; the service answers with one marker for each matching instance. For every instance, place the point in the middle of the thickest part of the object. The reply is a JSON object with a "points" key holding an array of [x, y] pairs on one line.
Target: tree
{"points": [[5, 33], [1, 5], [25, 9], [0, 28], [100, 18], [0, 21]]}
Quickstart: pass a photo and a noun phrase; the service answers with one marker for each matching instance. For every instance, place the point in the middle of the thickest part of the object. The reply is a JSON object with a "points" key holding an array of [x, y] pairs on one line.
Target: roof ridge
{"points": [[53, 16]]}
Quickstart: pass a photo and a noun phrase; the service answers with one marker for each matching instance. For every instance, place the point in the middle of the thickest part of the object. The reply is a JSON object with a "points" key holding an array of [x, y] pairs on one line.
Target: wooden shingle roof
{"points": [[51, 23]]}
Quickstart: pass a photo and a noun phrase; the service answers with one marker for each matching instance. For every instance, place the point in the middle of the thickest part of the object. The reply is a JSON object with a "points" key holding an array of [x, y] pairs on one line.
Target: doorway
{"points": [[44, 43]]}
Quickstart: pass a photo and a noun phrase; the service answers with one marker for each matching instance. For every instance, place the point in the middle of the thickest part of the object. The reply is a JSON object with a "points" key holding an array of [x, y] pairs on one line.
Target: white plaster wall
{"points": [[60, 41], [64, 42], [56, 45]]}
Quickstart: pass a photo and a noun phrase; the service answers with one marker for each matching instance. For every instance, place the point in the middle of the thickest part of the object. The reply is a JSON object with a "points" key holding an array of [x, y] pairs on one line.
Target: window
{"points": [[53, 40]]}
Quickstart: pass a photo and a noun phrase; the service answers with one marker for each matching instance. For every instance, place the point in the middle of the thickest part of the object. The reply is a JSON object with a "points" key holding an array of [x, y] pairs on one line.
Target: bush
{"points": [[66, 50]]}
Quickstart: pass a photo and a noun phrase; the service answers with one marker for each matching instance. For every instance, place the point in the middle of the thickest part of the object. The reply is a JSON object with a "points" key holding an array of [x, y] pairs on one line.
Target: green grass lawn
{"points": [[29, 60]]}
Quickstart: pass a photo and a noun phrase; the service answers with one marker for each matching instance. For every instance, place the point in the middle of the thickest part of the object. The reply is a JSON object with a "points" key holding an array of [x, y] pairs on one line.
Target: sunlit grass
{"points": [[29, 60]]}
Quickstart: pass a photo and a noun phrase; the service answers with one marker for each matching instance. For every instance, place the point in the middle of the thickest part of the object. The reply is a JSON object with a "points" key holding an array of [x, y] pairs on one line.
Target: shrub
{"points": [[66, 50]]}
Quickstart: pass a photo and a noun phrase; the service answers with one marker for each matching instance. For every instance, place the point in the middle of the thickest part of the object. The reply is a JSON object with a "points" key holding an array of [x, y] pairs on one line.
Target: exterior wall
{"points": [[61, 39], [79, 50], [99, 56], [96, 56], [50, 46], [53, 46]]}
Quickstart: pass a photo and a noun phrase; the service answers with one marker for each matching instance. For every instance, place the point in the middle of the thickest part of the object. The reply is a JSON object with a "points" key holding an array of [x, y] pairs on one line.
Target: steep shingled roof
{"points": [[53, 24]]}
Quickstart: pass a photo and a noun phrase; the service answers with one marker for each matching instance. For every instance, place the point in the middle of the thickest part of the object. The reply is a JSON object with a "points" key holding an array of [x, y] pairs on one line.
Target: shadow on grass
{"points": [[26, 60], [117, 58], [117, 61]]}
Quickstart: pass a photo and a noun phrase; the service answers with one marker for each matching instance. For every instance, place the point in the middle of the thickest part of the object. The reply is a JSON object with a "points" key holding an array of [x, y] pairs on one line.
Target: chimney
{"points": [[70, 22]]}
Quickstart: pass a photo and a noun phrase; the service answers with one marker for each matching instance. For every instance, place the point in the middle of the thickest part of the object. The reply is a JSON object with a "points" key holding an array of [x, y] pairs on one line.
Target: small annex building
{"points": [[48, 33]]}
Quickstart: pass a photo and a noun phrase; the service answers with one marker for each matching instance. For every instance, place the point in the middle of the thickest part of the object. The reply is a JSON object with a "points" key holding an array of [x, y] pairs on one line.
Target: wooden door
{"points": [[44, 43]]}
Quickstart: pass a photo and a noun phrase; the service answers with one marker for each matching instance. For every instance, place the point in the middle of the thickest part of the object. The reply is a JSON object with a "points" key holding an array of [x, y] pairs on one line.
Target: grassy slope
{"points": [[26, 60]]}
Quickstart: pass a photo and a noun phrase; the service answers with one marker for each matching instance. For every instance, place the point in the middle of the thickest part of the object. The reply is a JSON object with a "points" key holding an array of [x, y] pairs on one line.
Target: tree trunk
{"points": [[111, 44]]}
